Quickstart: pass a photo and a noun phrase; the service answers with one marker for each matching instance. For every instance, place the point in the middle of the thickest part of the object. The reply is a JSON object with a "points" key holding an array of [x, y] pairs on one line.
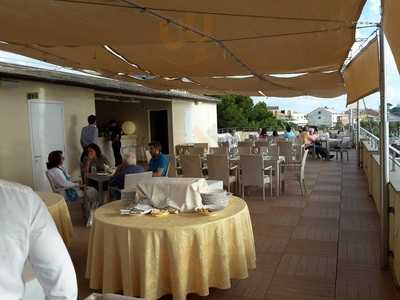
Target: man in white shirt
{"points": [[27, 232]]}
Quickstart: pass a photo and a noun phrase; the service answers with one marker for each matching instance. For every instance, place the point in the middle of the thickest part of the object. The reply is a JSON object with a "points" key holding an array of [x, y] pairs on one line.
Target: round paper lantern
{"points": [[128, 127]]}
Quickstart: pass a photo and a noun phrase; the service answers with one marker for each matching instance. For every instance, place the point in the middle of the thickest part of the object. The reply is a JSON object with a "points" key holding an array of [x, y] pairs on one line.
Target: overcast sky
{"points": [[304, 104]]}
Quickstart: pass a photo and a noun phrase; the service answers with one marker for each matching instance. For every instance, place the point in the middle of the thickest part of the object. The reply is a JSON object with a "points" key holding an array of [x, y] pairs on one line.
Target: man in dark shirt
{"points": [[115, 136]]}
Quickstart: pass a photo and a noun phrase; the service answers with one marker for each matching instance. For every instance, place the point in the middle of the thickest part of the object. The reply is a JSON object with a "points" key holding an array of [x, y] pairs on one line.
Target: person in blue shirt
{"points": [[289, 134], [159, 162]]}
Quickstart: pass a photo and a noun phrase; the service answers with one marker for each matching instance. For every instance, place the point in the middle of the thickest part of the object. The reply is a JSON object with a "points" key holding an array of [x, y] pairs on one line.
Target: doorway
{"points": [[47, 134], [158, 123]]}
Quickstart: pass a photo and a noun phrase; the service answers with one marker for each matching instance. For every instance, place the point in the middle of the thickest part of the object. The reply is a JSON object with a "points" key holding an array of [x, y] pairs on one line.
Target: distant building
{"points": [[322, 116], [288, 115]]}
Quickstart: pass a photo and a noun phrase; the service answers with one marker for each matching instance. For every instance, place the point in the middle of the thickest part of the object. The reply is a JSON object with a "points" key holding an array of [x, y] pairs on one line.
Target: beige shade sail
{"points": [[185, 38], [391, 25], [323, 85], [361, 76]]}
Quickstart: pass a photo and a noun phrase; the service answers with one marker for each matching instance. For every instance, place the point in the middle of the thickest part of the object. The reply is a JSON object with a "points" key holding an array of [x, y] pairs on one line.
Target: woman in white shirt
{"points": [[61, 183]]}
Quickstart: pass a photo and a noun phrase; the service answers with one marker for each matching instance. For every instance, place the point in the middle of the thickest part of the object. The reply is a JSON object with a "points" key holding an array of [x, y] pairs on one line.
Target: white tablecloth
{"points": [[179, 193]]}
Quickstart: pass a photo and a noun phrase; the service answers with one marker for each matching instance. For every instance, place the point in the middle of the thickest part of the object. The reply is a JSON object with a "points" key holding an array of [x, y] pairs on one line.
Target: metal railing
{"points": [[394, 154]]}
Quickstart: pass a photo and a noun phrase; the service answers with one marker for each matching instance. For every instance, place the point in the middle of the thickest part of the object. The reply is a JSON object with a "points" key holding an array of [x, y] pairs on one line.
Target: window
{"points": [[319, 118], [319, 112]]}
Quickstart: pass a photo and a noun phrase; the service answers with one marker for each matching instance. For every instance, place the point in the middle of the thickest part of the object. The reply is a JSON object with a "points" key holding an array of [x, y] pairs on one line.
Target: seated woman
{"points": [[128, 166], [310, 139], [59, 179], [61, 182], [263, 134], [93, 161]]}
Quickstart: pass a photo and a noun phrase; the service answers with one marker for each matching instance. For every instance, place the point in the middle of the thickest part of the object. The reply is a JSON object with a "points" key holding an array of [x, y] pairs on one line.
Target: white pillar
{"points": [[383, 155]]}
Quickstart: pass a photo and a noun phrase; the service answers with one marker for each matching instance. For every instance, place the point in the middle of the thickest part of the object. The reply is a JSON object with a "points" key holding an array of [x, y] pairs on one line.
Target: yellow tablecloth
{"points": [[59, 211], [179, 254]]}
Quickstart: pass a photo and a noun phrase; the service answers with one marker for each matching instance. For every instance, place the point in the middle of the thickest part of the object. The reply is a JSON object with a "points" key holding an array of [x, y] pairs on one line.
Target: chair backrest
{"points": [[218, 168], [252, 167], [287, 149], [148, 156], [262, 143], [201, 145], [303, 165], [171, 171], [346, 142], [245, 150], [132, 180], [273, 150], [53, 187], [195, 151], [246, 144], [191, 166], [219, 150]]}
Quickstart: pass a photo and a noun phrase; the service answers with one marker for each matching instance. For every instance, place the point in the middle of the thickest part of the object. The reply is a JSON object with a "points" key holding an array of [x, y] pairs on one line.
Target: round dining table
{"points": [[177, 254], [58, 209]]}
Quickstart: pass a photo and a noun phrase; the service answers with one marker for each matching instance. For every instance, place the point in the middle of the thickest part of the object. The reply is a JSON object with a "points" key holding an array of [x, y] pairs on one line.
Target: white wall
{"points": [[15, 145], [194, 123], [320, 117]]}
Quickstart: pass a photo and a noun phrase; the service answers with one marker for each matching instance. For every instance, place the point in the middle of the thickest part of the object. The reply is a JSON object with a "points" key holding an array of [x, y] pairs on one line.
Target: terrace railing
{"points": [[394, 154]]}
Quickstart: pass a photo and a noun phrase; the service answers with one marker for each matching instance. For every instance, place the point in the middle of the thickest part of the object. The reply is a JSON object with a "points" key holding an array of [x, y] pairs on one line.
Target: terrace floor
{"points": [[318, 247]]}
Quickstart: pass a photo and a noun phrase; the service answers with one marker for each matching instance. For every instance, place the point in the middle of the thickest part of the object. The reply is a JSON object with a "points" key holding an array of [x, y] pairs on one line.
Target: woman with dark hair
{"points": [[61, 181], [93, 161], [263, 133]]}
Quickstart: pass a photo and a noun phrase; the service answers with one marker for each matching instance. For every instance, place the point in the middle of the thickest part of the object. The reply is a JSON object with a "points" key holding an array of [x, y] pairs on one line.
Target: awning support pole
{"points": [[358, 134], [383, 155]]}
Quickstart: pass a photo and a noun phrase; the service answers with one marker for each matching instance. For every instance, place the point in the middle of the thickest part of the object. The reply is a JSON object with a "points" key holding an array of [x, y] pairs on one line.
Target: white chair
{"points": [[245, 150], [219, 169], [273, 150], [172, 167], [219, 150], [262, 143], [196, 151], [204, 146], [132, 180], [192, 166], [148, 156], [253, 173], [343, 147], [289, 151], [299, 175], [246, 144]]}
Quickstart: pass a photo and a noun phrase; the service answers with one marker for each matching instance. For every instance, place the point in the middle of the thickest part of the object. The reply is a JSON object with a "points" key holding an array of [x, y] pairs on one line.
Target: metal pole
{"points": [[383, 155], [358, 134]]}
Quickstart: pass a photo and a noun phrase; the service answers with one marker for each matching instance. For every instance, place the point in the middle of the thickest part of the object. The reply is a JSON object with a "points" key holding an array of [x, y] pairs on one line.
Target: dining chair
{"points": [[172, 167], [219, 150], [262, 143], [148, 156], [245, 144], [132, 180], [192, 166], [201, 145], [343, 147], [299, 173], [220, 169], [253, 173], [196, 151], [245, 150], [273, 150], [288, 150]]}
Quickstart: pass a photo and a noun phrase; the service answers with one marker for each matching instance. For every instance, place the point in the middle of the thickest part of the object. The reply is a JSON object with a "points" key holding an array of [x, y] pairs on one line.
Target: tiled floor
{"points": [[318, 247]]}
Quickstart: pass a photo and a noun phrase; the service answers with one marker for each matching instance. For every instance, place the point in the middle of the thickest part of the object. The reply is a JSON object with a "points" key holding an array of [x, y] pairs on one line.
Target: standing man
{"points": [[115, 136], [158, 163], [89, 133]]}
